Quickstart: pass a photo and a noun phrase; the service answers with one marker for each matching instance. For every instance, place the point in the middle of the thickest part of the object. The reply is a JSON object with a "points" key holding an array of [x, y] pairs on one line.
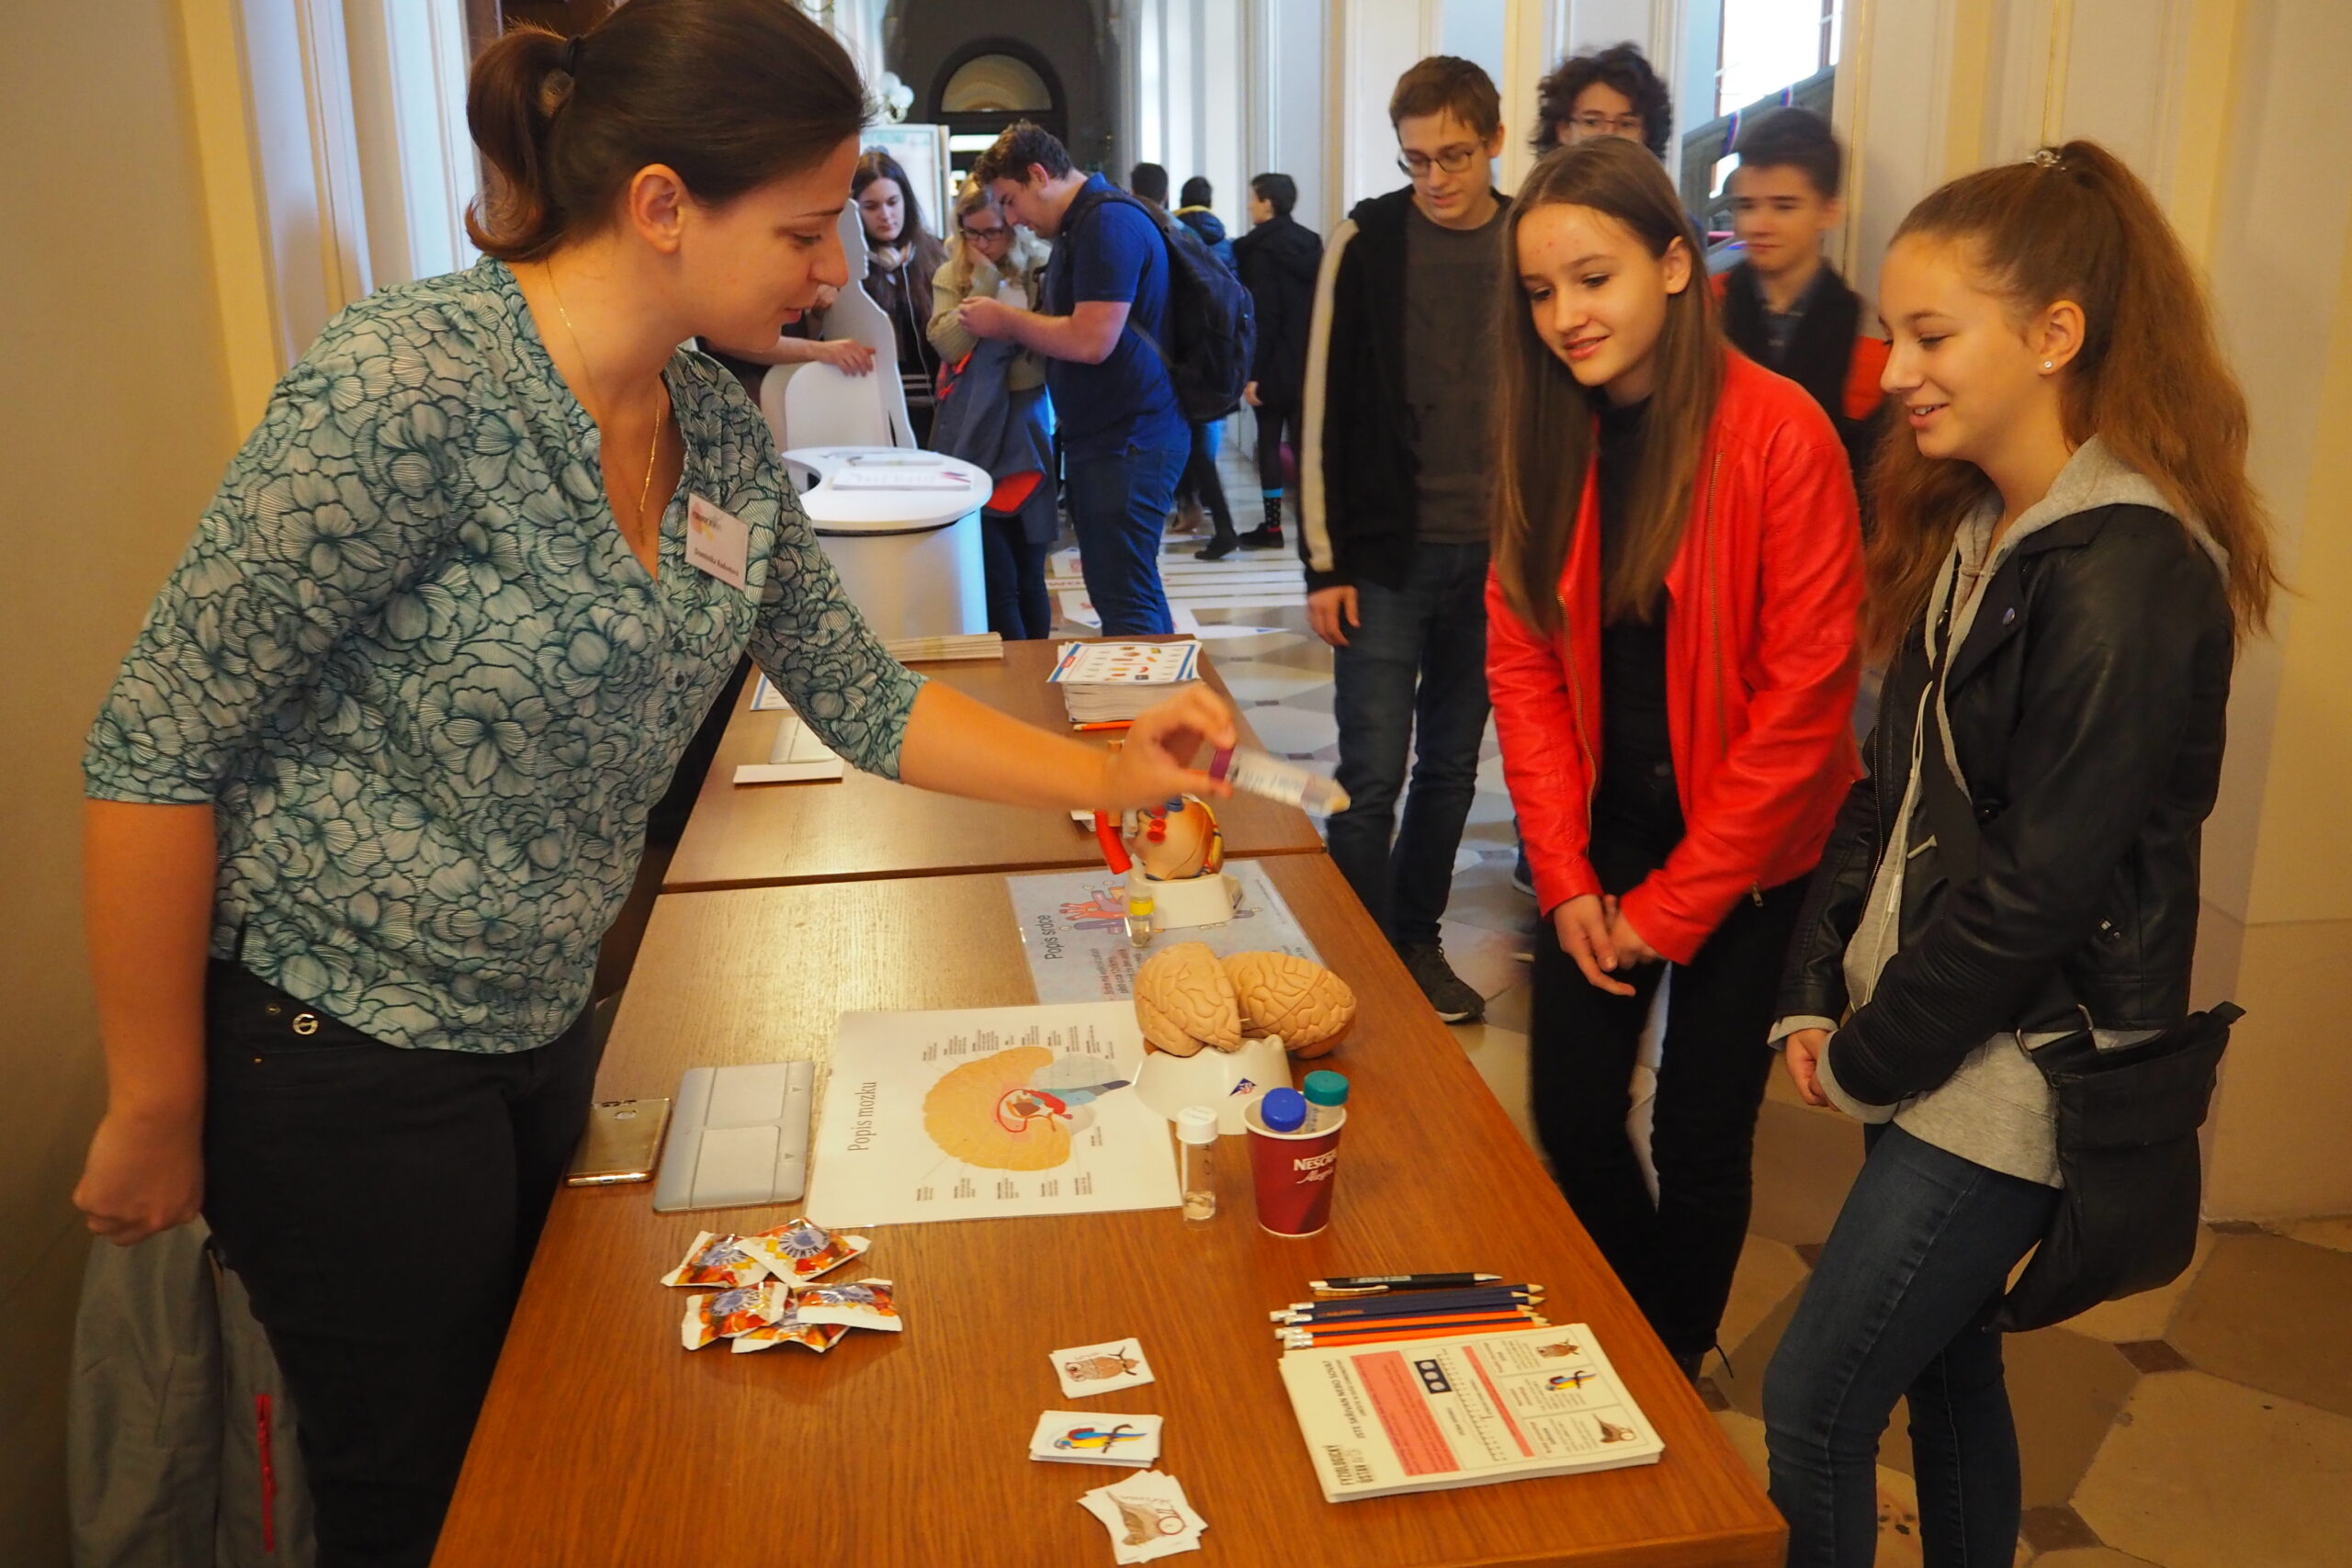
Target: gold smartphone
{"points": [[623, 1143]]}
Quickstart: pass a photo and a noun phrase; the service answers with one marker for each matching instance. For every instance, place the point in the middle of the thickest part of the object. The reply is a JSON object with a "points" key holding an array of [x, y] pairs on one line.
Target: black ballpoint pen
{"points": [[1372, 1284]]}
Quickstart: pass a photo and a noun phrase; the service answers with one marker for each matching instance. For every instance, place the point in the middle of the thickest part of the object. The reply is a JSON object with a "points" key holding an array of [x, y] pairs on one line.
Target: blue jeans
{"points": [[1901, 1303], [1412, 680], [1119, 505]]}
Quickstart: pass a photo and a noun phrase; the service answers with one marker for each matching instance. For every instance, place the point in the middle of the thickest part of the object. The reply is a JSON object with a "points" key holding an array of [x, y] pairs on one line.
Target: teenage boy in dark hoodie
{"points": [[1277, 259], [1396, 463], [1784, 305]]}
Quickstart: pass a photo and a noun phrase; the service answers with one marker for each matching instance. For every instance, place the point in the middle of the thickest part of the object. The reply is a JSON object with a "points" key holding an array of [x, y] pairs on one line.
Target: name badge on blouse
{"points": [[717, 543]]}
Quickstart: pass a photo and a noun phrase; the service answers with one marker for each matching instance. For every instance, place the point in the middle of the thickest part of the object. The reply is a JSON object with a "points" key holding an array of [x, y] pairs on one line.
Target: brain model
{"points": [[1186, 999], [1280, 993]]}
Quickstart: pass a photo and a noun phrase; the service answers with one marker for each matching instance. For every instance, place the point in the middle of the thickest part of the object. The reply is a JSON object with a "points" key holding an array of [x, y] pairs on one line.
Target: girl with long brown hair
{"points": [[1671, 653], [2068, 550]]}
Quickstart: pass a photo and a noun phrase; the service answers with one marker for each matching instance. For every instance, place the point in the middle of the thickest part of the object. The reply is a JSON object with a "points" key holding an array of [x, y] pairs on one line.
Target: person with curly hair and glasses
{"points": [[373, 779], [1608, 92]]}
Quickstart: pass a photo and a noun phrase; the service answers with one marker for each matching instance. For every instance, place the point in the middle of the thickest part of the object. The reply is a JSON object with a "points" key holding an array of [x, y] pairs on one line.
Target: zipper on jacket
{"points": [[1715, 631], [1576, 706]]}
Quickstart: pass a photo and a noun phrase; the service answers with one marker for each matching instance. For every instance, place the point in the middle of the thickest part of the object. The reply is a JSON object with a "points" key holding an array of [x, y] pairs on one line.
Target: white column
{"points": [[1535, 37], [1374, 41]]}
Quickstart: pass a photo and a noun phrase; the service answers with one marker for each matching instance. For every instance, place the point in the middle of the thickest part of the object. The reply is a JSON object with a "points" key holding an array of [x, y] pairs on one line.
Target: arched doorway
{"points": [[988, 84]]}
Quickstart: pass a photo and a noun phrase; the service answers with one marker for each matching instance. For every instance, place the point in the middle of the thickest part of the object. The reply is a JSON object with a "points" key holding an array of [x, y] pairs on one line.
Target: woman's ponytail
{"points": [[517, 87], [728, 94]]}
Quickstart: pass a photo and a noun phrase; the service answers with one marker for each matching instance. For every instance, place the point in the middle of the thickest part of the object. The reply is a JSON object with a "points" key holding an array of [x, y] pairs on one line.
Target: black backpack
{"points": [[1211, 325]]}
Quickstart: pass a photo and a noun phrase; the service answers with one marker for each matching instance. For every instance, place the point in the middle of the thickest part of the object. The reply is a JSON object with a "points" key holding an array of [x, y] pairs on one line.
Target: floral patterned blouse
{"points": [[429, 692]]}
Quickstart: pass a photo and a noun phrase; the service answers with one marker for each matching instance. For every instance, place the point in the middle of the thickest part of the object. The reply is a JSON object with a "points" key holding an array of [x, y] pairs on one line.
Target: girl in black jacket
{"points": [[2068, 550]]}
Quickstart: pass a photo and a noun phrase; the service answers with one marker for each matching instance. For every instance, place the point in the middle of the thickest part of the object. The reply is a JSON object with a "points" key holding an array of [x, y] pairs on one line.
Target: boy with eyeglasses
{"points": [[1608, 92], [1395, 469]]}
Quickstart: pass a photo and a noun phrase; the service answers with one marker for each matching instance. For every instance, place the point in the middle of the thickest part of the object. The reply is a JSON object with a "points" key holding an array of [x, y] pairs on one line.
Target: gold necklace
{"points": [[662, 417]]}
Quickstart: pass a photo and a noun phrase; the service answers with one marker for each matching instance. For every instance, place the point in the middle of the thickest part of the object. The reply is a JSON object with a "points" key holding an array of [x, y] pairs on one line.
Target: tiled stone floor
{"points": [[2208, 1425]]}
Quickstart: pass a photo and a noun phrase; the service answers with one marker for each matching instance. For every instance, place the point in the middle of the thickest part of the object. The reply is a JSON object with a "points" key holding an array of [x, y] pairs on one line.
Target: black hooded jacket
{"points": [[1277, 261]]}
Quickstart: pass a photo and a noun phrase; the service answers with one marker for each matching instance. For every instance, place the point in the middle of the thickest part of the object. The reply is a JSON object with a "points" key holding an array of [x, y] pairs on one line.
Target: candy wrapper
{"points": [[802, 1250], [790, 1330], [868, 1304], [718, 1261], [730, 1313]]}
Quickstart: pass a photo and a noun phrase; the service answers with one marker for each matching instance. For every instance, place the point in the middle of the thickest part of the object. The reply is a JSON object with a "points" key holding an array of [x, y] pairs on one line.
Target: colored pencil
{"points": [[1500, 1303], [1421, 1299], [1302, 1340], [1409, 1325]]}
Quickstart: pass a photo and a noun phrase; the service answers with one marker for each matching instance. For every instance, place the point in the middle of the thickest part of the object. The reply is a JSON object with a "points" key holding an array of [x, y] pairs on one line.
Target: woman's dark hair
{"points": [[1547, 417], [732, 94], [1197, 192], [1277, 191], [2074, 223], [876, 165], [1622, 66]]}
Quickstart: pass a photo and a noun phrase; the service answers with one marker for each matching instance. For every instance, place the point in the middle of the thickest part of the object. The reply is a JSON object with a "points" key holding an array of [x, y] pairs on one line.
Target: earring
{"points": [[2047, 364]]}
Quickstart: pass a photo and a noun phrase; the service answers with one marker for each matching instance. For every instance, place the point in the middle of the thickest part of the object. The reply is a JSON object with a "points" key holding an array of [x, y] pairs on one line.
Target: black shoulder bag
{"points": [[2126, 1221]]}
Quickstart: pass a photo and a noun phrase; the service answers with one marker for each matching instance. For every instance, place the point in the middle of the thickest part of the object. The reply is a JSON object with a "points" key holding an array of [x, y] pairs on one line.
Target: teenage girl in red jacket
{"points": [[1671, 651]]}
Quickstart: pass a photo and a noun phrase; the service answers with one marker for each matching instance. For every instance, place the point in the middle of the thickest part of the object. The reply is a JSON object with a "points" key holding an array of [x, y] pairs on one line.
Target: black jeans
{"points": [[380, 1206], [1275, 421], [1411, 682], [1019, 607], [1675, 1255]]}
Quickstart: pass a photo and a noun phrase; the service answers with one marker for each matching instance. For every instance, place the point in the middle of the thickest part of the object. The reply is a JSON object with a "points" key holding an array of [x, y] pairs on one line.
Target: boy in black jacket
{"points": [[1395, 463], [1784, 305], [1278, 259]]}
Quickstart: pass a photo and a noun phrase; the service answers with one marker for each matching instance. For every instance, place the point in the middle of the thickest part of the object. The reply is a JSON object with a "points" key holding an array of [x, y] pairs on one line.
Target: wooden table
{"points": [[605, 1443], [863, 826]]}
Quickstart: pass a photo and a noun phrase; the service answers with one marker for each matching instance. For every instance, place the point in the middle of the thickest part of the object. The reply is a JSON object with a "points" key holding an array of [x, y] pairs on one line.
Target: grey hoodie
{"points": [[1996, 1110]]}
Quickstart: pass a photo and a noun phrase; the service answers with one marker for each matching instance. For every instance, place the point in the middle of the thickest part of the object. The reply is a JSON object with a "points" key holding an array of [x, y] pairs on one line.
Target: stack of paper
{"points": [[1463, 1410], [1104, 682], [936, 649]]}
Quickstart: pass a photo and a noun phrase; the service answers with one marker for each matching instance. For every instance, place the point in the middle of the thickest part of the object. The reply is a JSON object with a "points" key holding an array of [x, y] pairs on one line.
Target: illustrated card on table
{"points": [[1147, 1515], [1100, 1368], [1095, 1436]]}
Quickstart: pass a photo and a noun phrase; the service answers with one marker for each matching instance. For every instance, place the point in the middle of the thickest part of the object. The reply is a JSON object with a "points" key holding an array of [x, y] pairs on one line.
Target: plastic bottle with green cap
{"points": [[1324, 1090]]}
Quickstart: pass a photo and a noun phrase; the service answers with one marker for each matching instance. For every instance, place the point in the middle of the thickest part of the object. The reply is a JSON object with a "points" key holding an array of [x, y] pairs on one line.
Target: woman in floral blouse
{"points": [[373, 780]]}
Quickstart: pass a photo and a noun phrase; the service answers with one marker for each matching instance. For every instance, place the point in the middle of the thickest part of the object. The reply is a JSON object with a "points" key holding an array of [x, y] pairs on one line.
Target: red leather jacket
{"points": [[1761, 665]]}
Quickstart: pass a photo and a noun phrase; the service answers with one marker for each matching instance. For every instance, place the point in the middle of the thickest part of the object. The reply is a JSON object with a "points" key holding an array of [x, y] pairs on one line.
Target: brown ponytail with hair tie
{"points": [[728, 94]]}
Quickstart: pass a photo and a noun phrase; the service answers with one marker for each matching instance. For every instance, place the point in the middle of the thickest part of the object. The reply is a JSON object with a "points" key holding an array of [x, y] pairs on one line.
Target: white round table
{"points": [[909, 557]]}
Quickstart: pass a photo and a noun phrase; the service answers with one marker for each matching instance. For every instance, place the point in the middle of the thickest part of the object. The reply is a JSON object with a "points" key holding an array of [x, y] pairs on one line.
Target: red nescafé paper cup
{"points": [[1292, 1172]]}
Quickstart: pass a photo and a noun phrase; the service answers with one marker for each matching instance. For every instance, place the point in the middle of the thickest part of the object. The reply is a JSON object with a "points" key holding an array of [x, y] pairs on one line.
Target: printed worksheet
{"points": [[985, 1112], [1074, 931]]}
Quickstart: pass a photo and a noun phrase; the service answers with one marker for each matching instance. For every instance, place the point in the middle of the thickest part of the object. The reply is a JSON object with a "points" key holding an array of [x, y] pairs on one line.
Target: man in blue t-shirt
{"points": [[1104, 311]]}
